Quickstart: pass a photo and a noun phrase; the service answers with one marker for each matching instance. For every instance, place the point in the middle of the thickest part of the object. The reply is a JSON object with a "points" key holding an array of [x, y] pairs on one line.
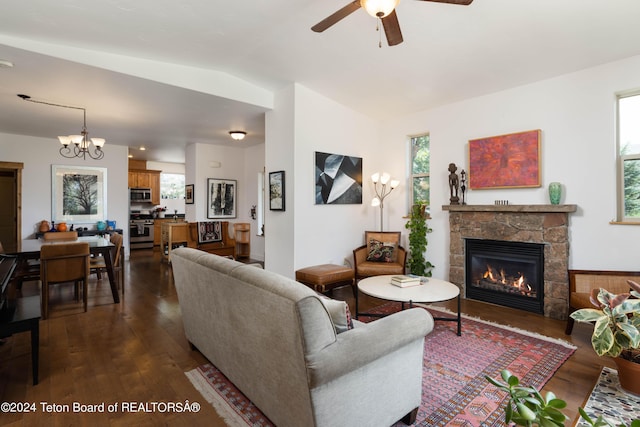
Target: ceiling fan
{"points": [[381, 9]]}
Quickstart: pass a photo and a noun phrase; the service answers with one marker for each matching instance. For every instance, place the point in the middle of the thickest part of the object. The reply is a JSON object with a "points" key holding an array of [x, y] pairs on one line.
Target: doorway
{"points": [[10, 208]]}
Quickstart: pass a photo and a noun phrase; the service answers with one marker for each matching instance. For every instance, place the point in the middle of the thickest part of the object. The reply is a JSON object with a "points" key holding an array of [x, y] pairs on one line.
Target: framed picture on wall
{"points": [[188, 194], [276, 191], [78, 194], [338, 179], [505, 161], [221, 198]]}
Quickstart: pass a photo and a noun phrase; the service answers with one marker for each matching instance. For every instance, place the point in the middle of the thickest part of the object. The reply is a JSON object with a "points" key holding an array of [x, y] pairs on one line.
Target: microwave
{"points": [[140, 195]]}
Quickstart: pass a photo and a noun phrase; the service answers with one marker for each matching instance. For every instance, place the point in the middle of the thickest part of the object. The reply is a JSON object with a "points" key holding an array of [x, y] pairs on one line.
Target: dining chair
{"points": [[98, 265], [64, 263], [26, 270]]}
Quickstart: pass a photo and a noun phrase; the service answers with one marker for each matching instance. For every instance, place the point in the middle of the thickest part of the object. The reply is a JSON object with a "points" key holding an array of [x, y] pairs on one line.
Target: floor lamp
{"points": [[382, 191]]}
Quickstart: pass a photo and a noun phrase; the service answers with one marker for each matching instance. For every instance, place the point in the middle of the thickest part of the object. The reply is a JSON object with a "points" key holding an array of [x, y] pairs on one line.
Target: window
{"points": [[420, 159], [172, 192], [629, 156]]}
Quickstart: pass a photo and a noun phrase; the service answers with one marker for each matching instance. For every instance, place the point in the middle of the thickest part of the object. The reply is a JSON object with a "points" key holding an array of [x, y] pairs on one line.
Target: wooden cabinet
{"points": [[172, 235], [146, 179], [242, 234], [154, 184]]}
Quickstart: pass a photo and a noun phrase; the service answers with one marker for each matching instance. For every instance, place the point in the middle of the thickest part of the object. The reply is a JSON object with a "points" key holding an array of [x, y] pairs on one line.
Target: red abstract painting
{"points": [[505, 161]]}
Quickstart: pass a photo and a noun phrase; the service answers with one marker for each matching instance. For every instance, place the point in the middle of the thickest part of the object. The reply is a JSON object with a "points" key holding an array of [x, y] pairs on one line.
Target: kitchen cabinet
{"points": [[146, 178]]}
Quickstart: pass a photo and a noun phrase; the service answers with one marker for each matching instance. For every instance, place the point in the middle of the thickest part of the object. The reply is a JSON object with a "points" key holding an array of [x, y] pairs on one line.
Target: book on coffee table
{"points": [[405, 281]]}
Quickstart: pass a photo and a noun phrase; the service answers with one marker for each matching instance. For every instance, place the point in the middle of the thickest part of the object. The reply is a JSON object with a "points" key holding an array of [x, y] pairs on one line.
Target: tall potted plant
{"points": [[418, 229], [616, 331]]}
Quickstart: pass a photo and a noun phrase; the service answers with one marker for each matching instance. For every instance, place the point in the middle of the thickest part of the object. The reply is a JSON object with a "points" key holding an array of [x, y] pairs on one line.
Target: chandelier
{"points": [[76, 145]]}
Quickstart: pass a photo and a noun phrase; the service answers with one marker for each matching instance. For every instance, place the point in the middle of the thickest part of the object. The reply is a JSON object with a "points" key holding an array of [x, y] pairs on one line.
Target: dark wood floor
{"points": [[136, 352]]}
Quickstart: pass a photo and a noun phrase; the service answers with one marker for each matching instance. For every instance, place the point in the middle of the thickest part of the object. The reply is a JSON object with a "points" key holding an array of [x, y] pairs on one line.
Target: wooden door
{"points": [[10, 208]]}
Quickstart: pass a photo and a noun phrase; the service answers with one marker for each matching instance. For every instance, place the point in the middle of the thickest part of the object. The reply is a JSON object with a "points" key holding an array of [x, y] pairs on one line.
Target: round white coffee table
{"points": [[434, 290]]}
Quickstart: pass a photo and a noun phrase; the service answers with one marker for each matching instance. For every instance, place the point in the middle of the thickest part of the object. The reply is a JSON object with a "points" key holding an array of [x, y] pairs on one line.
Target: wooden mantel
{"points": [[511, 208]]}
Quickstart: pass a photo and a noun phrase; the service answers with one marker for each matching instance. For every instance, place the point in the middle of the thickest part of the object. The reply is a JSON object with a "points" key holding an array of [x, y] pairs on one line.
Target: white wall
{"points": [[279, 146], [302, 123], [38, 155], [254, 164], [576, 113]]}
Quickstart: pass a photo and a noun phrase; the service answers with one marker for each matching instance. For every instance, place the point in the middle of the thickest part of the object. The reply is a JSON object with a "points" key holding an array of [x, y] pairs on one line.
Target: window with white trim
{"points": [[420, 169], [629, 157]]}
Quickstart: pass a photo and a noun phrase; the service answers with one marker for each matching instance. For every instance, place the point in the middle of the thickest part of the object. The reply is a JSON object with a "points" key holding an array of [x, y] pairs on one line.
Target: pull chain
{"points": [[379, 32]]}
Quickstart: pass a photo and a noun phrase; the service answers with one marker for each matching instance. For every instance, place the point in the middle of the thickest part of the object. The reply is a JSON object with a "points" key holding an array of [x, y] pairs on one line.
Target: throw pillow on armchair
{"points": [[382, 251]]}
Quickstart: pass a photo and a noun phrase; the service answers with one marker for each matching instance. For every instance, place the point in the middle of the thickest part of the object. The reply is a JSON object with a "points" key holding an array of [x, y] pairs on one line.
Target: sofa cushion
{"points": [[382, 251], [339, 313]]}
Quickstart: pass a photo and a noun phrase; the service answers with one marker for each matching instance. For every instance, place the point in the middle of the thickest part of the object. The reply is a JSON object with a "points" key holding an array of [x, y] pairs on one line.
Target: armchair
{"points": [[582, 282], [381, 254]]}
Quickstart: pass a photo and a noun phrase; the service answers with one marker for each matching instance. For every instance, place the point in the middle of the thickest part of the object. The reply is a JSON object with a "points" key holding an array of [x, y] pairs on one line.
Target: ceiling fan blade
{"points": [[392, 29], [336, 17], [460, 2]]}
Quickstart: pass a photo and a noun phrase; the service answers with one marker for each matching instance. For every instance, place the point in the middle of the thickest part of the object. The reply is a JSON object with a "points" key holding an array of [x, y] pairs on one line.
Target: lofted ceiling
{"points": [[449, 53]]}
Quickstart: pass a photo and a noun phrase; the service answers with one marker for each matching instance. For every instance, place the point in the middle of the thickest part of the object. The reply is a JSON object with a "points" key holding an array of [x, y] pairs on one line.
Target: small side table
{"points": [[25, 317]]}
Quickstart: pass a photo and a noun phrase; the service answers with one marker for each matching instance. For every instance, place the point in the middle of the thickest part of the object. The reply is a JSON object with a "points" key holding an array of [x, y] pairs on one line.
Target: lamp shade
{"points": [[375, 177], [379, 8], [375, 202], [385, 178]]}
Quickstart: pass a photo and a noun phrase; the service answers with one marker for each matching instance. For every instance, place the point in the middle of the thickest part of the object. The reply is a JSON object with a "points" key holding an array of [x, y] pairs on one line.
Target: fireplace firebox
{"points": [[505, 273]]}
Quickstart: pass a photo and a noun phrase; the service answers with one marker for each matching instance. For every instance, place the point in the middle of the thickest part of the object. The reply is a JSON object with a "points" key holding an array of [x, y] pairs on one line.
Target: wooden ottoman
{"points": [[326, 277]]}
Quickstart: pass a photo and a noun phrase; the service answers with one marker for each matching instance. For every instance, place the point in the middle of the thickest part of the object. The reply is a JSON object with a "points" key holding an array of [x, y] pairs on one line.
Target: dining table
{"points": [[98, 245]]}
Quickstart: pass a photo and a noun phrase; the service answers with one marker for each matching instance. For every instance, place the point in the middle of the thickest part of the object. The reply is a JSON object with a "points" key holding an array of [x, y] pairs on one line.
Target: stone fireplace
{"points": [[547, 225]]}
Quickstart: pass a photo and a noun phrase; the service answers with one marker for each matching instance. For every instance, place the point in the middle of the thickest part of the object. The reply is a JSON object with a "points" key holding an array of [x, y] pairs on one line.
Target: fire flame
{"points": [[501, 277]]}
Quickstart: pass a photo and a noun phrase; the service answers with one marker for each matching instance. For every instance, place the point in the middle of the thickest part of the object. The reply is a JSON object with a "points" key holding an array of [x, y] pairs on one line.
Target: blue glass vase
{"points": [[555, 193]]}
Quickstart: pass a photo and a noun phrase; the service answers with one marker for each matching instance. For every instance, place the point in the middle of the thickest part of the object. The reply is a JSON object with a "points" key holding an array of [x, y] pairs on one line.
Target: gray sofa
{"points": [[275, 339]]}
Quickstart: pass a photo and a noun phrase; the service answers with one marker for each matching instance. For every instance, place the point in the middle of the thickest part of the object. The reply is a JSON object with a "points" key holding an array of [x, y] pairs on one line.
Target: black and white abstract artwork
{"points": [[338, 179]]}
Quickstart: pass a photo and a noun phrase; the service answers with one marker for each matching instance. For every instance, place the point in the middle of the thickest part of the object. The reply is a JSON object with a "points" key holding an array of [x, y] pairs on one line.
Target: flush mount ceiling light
{"points": [[237, 135], [76, 145]]}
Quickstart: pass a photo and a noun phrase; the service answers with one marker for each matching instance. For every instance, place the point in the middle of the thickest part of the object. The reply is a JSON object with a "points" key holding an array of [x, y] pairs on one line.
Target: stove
{"points": [[141, 231]]}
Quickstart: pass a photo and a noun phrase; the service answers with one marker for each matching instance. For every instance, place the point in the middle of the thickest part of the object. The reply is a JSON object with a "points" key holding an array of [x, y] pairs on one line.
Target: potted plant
{"points": [[418, 229], [527, 407], [616, 331]]}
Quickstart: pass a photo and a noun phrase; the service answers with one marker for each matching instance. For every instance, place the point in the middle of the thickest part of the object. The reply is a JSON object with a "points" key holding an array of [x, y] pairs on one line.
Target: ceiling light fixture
{"points": [[379, 8], [76, 145], [5, 64], [237, 135]]}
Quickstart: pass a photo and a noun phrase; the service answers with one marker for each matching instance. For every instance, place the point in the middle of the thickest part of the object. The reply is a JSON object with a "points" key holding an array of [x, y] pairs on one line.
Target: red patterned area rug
{"points": [[454, 389]]}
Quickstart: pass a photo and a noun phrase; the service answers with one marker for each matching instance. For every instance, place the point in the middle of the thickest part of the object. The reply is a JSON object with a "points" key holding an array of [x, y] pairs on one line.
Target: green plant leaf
{"points": [[587, 315], [525, 412], [602, 338], [557, 403]]}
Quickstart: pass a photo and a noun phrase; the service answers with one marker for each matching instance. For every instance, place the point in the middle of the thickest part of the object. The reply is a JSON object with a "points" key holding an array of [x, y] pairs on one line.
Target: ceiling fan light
{"points": [[379, 8]]}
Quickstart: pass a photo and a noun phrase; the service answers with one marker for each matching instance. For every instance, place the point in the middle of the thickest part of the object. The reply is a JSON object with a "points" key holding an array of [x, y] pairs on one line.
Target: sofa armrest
{"points": [[358, 347]]}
